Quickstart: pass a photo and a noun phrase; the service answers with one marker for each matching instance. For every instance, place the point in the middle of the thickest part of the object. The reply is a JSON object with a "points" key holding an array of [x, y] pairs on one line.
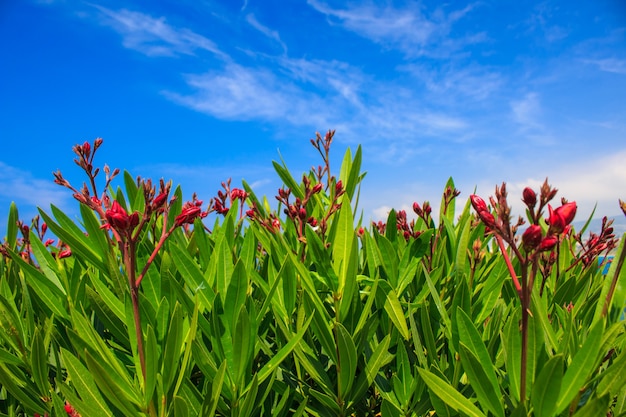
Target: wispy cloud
{"points": [[408, 29], [614, 65], [272, 34], [154, 36], [25, 189]]}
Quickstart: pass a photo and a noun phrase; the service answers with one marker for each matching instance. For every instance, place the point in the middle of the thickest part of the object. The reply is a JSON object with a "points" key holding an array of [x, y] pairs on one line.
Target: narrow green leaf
{"points": [[12, 220], [513, 349], [614, 378], [346, 367], [276, 360], [179, 405], [597, 406], [236, 293], [69, 233], [39, 361], [469, 336], [547, 387], [396, 314], [25, 395], [192, 275], [285, 175], [449, 395], [110, 387], [152, 364], [581, 367], [47, 264], [49, 293], [480, 382], [85, 386], [243, 347], [173, 347]]}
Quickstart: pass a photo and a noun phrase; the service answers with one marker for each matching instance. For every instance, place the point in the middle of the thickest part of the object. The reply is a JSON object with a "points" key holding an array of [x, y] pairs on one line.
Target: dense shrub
{"points": [[150, 306]]}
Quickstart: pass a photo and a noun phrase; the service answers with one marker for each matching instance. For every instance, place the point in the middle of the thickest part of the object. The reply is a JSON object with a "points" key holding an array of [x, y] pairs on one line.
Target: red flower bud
{"points": [[188, 216], [567, 211], [316, 189], [417, 209], [159, 201], [532, 237], [529, 197], [117, 217], [547, 243], [64, 254], [561, 217], [360, 232], [478, 203]]}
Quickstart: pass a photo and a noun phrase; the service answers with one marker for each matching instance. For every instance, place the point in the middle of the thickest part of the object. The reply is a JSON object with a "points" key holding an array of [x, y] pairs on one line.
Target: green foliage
{"points": [[303, 313]]}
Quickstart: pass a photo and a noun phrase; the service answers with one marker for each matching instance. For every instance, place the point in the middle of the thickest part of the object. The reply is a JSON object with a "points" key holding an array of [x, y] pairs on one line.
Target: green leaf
{"points": [[243, 347], [108, 383], [152, 364], [276, 360], [344, 264], [24, 395], [39, 361], [85, 386], [462, 246], [47, 264], [469, 336], [179, 405], [213, 396], [12, 220], [173, 347], [396, 314], [449, 395], [346, 366], [236, 294], [513, 349], [49, 293], [598, 406], [192, 275], [614, 378], [285, 176], [617, 277], [69, 233], [581, 367], [547, 387], [479, 380]]}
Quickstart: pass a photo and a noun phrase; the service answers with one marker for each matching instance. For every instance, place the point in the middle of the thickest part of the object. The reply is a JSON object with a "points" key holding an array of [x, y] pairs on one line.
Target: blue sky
{"points": [[200, 91]]}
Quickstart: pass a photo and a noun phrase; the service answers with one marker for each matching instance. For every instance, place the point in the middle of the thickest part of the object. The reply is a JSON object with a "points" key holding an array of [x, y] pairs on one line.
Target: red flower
{"points": [[561, 217], [532, 237], [188, 215], [120, 220]]}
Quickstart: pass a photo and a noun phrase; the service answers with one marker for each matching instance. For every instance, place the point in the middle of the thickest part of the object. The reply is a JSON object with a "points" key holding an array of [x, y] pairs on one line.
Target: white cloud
{"points": [[272, 34], [408, 29], [154, 36], [614, 65], [20, 186]]}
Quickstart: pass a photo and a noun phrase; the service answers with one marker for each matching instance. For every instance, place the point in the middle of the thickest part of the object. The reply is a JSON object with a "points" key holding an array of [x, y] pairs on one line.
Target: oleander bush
{"points": [[146, 305]]}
